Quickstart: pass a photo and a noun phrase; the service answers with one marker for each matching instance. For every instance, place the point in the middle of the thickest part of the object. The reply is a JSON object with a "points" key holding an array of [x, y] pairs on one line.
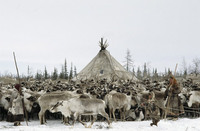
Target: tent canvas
{"points": [[103, 65]]}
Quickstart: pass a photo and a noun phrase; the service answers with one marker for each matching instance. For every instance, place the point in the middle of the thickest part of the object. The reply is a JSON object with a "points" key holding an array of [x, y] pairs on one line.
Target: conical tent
{"points": [[103, 65]]}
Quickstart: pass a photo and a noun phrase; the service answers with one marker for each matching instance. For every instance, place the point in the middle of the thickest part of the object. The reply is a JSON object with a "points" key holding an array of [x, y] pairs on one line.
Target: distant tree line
{"points": [[63, 74], [145, 71], [141, 72]]}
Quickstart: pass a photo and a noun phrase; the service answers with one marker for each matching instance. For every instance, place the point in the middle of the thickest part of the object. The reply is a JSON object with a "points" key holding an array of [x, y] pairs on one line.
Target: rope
{"points": [[185, 110], [168, 108], [165, 109], [191, 108]]}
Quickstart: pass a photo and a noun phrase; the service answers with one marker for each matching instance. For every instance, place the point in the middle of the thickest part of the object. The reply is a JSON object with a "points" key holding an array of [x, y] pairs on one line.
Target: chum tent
{"points": [[103, 65]]}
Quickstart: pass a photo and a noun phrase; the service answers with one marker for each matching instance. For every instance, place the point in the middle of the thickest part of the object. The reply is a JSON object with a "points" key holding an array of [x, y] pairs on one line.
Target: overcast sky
{"points": [[45, 32]]}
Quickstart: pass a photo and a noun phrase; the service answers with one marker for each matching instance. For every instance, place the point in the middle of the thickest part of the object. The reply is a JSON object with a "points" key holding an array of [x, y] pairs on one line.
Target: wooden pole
{"points": [[175, 69], [20, 90], [16, 67]]}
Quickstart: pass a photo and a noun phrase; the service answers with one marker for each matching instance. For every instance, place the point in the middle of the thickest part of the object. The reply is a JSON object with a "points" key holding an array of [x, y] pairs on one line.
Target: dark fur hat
{"points": [[17, 86]]}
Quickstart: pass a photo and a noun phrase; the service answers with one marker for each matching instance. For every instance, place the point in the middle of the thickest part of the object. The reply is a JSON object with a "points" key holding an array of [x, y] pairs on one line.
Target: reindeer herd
{"points": [[91, 100]]}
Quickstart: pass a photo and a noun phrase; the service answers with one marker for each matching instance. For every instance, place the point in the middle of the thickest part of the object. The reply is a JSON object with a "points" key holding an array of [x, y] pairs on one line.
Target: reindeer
{"points": [[81, 106], [116, 100]]}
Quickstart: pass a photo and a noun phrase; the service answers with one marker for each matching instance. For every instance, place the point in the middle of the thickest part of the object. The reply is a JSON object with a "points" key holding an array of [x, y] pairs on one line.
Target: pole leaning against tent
{"points": [[20, 90]]}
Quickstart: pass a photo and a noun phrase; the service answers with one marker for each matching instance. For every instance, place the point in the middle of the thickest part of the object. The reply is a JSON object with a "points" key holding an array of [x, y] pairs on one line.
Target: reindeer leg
{"points": [[66, 120], [121, 114], [94, 119], [79, 119], [110, 110], [44, 118], [113, 112], [104, 114], [124, 113], [75, 117], [90, 117], [41, 117]]}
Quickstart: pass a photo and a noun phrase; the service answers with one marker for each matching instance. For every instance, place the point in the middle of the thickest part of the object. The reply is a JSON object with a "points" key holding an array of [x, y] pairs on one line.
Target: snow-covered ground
{"points": [[183, 124]]}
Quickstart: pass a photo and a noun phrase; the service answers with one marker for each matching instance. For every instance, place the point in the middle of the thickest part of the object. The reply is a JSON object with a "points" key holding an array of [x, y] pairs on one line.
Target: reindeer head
{"points": [[32, 98], [8, 99], [187, 97]]}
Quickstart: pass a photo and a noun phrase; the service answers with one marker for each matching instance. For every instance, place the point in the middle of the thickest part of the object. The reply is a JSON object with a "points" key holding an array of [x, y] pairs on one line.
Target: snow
{"points": [[183, 124]]}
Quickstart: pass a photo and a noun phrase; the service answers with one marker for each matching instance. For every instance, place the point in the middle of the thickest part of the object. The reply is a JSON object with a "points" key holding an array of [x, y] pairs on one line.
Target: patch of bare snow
{"points": [[183, 124]]}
